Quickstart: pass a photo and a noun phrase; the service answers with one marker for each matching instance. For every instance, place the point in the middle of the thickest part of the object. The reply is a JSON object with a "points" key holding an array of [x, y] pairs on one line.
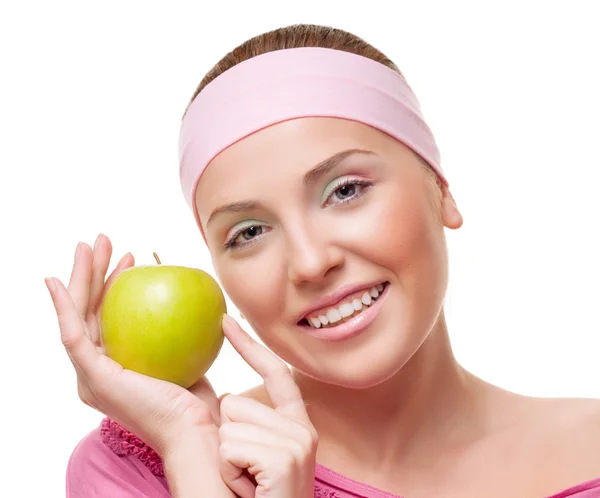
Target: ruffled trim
{"points": [[325, 492], [125, 443]]}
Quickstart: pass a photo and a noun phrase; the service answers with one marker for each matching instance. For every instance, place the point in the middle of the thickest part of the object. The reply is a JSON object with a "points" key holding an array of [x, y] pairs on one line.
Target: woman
{"points": [[317, 186]]}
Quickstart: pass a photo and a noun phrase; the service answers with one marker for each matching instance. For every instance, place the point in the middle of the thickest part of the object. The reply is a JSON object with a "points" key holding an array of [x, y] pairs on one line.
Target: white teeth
{"points": [[334, 315], [366, 299], [346, 310]]}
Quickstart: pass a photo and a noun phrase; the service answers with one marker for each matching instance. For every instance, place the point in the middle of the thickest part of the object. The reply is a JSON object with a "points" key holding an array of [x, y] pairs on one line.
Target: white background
{"points": [[91, 100]]}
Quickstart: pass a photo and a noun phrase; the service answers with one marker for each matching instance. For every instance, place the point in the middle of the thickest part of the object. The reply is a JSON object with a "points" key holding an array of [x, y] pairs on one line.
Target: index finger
{"points": [[279, 383], [78, 345]]}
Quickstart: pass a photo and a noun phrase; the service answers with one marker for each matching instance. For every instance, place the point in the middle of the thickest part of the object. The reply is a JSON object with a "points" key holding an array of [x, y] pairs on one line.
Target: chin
{"points": [[369, 359], [371, 368]]}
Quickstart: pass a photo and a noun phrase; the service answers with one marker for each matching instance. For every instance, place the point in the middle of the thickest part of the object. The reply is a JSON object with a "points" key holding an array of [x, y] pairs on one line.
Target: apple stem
{"points": [[156, 258]]}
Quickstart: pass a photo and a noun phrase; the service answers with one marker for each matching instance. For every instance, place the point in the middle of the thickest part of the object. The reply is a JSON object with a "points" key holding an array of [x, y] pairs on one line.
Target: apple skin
{"points": [[164, 321]]}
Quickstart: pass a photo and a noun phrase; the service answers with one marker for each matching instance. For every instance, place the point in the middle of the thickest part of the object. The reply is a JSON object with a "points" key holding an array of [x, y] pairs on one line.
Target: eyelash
{"points": [[350, 181], [230, 244]]}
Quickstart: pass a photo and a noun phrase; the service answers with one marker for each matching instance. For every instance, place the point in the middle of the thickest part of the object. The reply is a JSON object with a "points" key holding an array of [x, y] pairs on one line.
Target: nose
{"points": [[311, 257]]}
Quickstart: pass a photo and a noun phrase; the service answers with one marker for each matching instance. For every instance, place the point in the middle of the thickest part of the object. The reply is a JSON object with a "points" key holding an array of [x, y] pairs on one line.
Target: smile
{"points": [[351, 306], [349, 317]]}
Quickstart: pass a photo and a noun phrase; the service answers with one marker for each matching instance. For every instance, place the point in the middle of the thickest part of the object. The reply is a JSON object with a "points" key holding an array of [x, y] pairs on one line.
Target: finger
{"points": [[102, 255], [79, 347], [79, 283], [203, 390], [127, 261], [94, 324], [250, 433], [234, 476], [101, 260], [279, 383], [247, 410]]}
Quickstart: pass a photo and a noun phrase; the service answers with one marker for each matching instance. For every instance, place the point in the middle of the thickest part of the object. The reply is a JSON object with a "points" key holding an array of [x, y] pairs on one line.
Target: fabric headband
{"points": [[293, 83]]}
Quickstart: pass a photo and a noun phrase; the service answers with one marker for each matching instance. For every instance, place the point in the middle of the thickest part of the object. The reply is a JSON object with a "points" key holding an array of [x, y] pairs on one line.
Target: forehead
{"points": [[279, 155]]}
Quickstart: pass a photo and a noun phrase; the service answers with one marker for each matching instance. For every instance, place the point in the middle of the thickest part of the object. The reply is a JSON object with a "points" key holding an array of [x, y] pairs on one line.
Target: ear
{"points": [[451, 216]]}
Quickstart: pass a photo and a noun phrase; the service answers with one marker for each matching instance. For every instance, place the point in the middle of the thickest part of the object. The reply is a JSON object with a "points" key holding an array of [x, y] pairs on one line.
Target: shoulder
{"points": [[89, 456], [578, 419], [96, 470], [567, 435]]}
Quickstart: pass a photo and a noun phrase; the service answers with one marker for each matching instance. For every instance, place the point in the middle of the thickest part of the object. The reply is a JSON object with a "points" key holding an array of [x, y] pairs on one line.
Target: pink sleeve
{"points": [[95, 471]]}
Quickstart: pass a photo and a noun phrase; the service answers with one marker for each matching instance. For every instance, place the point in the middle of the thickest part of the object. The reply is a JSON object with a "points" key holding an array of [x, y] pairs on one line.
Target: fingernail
{"points": [[228, 321], [121, 261], [50, 284], [98, 239], [77, 251]]}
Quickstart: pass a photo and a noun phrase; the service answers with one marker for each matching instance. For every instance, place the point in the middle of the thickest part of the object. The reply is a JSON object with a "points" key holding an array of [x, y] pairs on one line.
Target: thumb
{"points": [[204, 391], [219, 418]]}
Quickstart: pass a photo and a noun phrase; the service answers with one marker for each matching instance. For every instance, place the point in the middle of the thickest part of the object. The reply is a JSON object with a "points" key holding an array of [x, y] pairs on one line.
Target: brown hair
{"points": [[304, 35], [295, 36]]}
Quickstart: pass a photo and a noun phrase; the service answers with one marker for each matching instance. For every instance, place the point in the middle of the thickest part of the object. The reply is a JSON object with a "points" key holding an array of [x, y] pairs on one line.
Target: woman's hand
{"points": [[277, 447], [162, 414]]}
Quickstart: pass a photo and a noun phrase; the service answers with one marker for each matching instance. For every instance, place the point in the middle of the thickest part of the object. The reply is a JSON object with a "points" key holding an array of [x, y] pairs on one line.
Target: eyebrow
{"points": [[328, 164], [309, 179]]}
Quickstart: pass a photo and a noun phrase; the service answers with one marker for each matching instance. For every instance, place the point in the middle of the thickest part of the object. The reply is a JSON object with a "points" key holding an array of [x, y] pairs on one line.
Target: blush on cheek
{"points": [[255, 289], [397, 235]]}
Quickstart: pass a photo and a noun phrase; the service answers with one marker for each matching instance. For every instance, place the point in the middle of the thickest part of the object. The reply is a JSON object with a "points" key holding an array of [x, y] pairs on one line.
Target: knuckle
{"points": [[229, 406], [309, 439], [82, 397], [314, 437], [288, 460], [278, 370], [226, 450], [227, 403], [70, 341], [303, 446], [86, 396], [225, 431], [191, 411], [298, 452]]}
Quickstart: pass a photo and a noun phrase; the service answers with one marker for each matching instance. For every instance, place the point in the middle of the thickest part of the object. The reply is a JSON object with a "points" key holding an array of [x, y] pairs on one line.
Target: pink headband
{"points": [[294, 83]]}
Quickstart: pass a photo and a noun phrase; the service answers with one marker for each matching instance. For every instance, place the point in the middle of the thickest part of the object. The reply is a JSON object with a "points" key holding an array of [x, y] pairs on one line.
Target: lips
{"points": [[340, 302], [347, 308], [351, 326]]}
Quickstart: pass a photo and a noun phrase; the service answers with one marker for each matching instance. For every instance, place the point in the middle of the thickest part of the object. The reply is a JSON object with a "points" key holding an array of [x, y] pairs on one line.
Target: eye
{"points": [[245, 234], [345, 190]]}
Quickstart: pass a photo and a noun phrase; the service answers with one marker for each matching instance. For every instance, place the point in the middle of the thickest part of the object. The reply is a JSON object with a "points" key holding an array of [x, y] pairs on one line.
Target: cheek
{"points": [[254, 286], [399, 234], [396, 229]]}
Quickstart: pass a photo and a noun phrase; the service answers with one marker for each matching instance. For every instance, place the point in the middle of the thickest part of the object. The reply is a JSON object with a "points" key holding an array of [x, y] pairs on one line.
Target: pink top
{"points": [[111, 462]]}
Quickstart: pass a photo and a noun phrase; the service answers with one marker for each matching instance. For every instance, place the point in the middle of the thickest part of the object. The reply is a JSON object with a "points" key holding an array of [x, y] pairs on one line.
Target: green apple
{"points": [[164, 321]]}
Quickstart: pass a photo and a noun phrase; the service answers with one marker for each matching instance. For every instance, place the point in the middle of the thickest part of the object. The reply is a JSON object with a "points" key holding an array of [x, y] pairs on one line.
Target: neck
{"points": [[430, 402]]}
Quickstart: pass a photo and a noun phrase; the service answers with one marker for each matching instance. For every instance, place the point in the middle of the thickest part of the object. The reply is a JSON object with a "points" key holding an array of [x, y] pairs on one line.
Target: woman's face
{"points": [[304, 233]]}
